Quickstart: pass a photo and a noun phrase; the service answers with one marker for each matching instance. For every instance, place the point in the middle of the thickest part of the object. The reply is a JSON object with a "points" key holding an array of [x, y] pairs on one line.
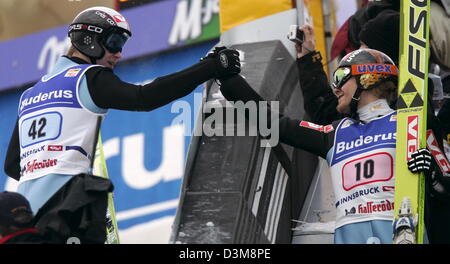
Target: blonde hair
{"points": [[71, 51], [386, 90]]}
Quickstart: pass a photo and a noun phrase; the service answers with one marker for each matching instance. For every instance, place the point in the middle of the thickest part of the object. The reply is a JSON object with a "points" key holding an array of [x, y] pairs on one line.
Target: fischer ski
{"points": [[411, 120], [438, 155], [404, 225], [100, 169]]}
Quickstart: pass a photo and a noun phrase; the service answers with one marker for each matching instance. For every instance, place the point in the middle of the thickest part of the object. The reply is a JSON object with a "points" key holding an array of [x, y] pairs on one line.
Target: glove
{"points": [[440, 184], [421, 161], [214, 53], [226, 61]]}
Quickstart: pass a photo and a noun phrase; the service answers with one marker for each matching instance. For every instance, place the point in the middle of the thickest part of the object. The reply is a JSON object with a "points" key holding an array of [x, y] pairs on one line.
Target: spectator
{"points": [[347, 39], [16, 220]]}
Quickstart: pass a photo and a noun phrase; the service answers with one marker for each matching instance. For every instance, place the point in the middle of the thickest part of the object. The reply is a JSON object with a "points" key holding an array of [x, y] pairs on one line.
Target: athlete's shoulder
{"points": [[95, 68], [344, 122], [337, 122]]}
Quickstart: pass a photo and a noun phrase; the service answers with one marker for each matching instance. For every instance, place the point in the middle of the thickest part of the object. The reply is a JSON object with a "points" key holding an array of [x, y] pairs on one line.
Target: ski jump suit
{"points": [[320, 104], [361, 157], [362, 162], [53, 137]]}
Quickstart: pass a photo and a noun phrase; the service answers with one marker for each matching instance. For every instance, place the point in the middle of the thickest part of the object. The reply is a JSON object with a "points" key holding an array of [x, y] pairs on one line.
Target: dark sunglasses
{"points": [[340, 77], [115, 41]]}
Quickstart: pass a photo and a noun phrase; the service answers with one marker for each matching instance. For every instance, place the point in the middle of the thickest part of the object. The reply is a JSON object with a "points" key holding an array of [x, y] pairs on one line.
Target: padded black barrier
{"points": [[234, 190]]}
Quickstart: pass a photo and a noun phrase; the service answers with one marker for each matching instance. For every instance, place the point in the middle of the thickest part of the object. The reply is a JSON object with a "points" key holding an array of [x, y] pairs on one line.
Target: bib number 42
{"points": [[40, 128], [34, 132]]}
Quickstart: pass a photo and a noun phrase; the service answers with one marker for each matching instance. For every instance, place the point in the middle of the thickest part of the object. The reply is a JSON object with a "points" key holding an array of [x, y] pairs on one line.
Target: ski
{"points": [[100, 169], [408, 222]]}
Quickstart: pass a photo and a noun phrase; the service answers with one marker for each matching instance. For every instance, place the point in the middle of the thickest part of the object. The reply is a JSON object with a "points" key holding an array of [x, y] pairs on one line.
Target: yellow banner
{"points": [[236, 12], [315, 10]]}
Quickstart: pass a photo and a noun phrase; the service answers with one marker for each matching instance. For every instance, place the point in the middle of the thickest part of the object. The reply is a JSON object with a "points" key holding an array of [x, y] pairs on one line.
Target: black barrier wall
{"points": [[234, 190]]}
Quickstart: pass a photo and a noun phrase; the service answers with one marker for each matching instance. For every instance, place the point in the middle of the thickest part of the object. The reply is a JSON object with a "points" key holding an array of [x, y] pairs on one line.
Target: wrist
{"points": [[303, 53], [311, 57], [207, 66]]}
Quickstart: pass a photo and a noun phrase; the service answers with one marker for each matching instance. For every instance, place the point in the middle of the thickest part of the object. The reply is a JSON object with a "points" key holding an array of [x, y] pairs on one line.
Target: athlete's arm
{"points": [[320, 102], [313, 140], [109, 91], [12, 161]]}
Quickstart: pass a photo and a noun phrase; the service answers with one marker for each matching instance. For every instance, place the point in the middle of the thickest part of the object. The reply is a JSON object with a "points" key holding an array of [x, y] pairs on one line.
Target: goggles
{"points": [[340, 77], [115, 41]]}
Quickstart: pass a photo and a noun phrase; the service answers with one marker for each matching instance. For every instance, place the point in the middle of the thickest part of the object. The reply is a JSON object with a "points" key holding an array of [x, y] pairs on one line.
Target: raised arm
{"points": [[300, 134], [320, 102]]}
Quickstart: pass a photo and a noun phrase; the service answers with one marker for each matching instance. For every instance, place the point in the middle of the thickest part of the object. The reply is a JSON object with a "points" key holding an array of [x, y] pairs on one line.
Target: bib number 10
{"points": [[40, 128], [368, 169]]}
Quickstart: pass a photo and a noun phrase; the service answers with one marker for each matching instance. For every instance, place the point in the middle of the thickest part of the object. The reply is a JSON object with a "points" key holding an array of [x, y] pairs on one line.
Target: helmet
{"points": [[369, 67], [98, 27]]}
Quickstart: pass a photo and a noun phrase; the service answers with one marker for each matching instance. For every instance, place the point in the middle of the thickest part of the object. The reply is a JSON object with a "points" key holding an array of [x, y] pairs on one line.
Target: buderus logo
{"points": [[363, 140], [42, 97]]}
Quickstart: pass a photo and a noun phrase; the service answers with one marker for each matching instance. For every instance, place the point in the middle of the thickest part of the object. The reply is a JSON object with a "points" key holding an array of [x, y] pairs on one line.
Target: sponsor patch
{"points": [[374, 68], [49, 96], [346, 123], [388, 188], [371, 207], [364, 141], [31, 166], [72, 73], [324, 129], [54, 148]]}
